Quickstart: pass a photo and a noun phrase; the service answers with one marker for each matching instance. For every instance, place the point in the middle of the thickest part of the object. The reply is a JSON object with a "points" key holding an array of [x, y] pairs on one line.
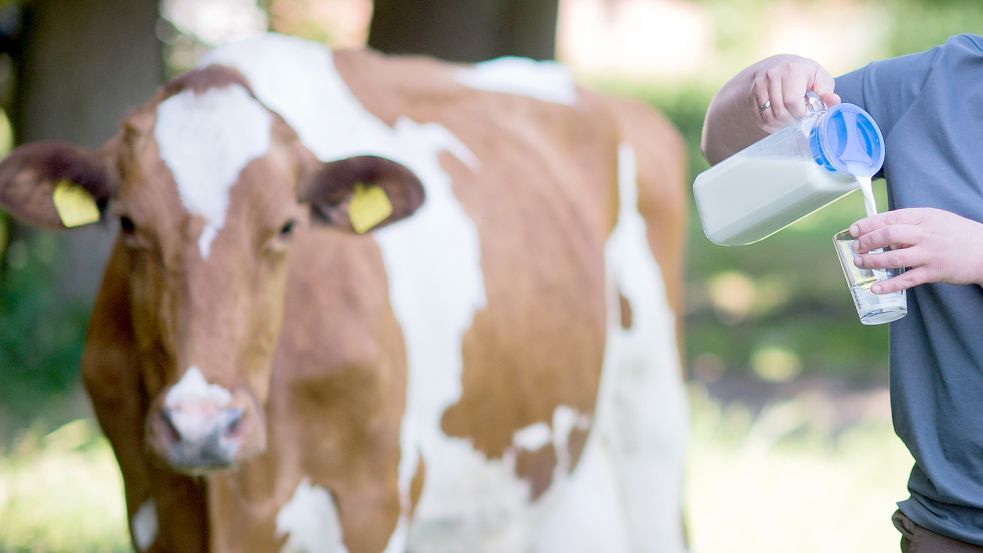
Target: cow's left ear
{"points": [[362, 193], [56, 185]]}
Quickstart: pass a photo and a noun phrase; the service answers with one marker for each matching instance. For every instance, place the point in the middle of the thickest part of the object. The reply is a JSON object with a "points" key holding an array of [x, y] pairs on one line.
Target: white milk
{"points": [[746, 198], [865, 188]]}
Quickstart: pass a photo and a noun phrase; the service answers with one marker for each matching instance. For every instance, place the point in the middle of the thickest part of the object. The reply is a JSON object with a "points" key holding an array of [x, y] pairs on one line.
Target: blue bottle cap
{"points": [[847, 139]]}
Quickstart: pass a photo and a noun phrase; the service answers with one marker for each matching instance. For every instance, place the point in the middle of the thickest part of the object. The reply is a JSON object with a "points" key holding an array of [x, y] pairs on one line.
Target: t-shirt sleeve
{"points": [[886, 89]]}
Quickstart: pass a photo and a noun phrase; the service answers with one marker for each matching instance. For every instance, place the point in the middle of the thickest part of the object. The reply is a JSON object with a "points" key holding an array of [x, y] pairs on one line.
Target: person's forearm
{"points": [[729, 125]]}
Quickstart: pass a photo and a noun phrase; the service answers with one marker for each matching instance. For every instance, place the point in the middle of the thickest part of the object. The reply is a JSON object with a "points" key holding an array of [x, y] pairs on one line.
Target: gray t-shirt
{"points": [[930, 109]]}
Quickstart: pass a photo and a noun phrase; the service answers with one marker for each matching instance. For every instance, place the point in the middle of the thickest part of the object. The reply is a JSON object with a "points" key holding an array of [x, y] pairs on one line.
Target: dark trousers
{"points": [[915, 539]]}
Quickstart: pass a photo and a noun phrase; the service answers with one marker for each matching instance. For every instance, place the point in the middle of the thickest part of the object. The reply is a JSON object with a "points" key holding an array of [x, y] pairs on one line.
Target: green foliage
{"points": [[799, 299], [916, 25], [903, 26], [3, 234], [737, 26], [41, 334]]}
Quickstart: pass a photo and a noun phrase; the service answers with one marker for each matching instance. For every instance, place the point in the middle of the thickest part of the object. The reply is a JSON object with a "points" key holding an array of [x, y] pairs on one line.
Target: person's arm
{"points": [[934, 245], [760, 100]]}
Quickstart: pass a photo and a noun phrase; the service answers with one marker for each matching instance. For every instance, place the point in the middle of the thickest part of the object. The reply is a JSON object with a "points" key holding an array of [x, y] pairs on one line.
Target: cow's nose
{"points": [[200, 438], [192, 426]]}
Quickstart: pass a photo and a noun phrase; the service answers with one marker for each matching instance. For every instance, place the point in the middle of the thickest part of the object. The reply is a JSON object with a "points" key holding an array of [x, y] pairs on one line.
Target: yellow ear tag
{"points": [[74, 205], [368, 207]]}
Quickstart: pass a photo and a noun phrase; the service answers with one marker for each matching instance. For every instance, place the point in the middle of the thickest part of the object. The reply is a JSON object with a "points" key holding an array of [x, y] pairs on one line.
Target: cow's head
{"points": [[208, 187]]}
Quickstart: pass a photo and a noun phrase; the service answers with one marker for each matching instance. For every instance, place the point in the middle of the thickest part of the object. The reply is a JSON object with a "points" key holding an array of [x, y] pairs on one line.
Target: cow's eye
{"points": [[126, 225], [130, 236], [287, 229]]}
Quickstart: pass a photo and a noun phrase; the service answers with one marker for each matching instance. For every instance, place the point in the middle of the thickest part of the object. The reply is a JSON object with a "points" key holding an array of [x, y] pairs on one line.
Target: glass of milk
{"points": [[872, 308]]}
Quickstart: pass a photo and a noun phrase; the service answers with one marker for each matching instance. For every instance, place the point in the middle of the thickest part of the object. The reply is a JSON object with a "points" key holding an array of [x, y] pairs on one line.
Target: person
{"points": [[929, 106]]}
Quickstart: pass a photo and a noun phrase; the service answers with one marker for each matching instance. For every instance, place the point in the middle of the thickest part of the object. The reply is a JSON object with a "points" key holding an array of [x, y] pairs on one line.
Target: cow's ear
{"points": [[361, 193], [56, 185]]}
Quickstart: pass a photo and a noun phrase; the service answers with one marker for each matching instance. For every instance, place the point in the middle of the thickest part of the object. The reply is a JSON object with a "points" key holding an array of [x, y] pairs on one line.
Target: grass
{"points": [[780, 482], [787, 479], [62, 492]]}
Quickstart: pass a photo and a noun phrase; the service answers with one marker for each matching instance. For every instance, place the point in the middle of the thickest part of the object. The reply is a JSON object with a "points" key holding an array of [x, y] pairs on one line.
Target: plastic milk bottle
{"points": [[789, 174]]}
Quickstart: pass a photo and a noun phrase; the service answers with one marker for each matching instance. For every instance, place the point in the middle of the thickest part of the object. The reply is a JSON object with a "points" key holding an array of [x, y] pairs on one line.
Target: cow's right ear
{"points": [[56, 185], [362, 193]]}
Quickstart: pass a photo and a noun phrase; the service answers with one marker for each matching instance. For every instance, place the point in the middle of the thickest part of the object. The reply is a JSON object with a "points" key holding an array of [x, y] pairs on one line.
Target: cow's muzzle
{"points": [[201, 436]]}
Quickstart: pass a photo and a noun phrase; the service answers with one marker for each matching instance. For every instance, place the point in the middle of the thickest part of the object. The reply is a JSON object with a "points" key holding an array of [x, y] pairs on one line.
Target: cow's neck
{"points": [[336, 398]]}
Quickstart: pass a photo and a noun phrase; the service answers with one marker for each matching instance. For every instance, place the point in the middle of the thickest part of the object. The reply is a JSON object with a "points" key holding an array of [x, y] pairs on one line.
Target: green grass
{"points": [[784, 481], [62, 492]]}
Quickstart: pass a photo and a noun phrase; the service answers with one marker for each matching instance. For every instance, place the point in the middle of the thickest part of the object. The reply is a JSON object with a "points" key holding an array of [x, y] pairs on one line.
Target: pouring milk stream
{"points": [[790, 174]]}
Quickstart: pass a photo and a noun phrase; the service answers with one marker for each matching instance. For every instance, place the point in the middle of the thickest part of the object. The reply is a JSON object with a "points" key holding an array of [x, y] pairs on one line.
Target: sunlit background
{"points": [[792, 447]]}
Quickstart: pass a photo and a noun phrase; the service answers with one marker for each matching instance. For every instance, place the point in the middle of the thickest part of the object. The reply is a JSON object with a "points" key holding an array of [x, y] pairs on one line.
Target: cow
{"points": [[368, 304]]}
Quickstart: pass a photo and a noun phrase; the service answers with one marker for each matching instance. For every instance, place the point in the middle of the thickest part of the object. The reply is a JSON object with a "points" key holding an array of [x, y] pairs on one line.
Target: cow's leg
{"points": [[625, 495], [647, 433], [586, 514], [165, 511]]}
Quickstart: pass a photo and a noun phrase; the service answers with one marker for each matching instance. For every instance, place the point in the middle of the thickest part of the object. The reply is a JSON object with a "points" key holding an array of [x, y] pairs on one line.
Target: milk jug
{"points": [[789, 174]]}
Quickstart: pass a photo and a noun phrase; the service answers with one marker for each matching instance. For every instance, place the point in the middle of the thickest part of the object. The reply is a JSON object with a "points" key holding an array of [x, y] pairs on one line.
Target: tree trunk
{"points": [[465, 30], [81, 65]]}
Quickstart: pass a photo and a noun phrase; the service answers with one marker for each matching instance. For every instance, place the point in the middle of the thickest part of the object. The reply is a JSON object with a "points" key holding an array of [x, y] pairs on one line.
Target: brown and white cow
{"points": [[493, 368]]}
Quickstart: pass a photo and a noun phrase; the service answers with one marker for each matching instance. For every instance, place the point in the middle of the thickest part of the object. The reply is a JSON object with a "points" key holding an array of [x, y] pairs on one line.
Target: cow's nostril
{"points": [[233, 420], [195, 424], [173, 433]]}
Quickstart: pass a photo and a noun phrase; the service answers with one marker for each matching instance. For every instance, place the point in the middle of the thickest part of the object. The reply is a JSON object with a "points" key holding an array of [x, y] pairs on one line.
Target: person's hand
{"points": [[935, 246], [778, 88], [761, 99]]}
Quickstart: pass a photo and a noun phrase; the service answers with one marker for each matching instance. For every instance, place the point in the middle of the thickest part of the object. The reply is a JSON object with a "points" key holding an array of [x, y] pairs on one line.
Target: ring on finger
{"points": [[764, 106]]}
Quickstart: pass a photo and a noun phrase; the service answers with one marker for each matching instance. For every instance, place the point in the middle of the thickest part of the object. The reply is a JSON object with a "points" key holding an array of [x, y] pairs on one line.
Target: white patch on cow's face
{"points": [[206, 140], [543, 80], [310, 522], [144, 525], [193, 388], [193, 403]]}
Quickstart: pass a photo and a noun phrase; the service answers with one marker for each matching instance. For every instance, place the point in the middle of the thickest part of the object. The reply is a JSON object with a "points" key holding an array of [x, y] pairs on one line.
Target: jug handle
{"points": [[814, 104]]}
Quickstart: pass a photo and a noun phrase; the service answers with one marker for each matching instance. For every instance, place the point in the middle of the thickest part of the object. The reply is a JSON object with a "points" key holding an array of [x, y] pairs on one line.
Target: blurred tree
{"points": [[76, 67], [465, 30], [80, 65]]}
